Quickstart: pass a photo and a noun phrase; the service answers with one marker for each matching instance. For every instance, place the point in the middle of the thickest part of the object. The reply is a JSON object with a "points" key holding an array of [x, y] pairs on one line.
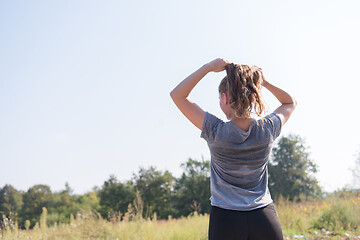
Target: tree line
{"points": [[154, 193]]}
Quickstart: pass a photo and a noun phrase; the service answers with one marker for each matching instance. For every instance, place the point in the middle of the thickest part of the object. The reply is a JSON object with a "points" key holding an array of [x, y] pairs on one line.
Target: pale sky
{"points": [[84, 85]]}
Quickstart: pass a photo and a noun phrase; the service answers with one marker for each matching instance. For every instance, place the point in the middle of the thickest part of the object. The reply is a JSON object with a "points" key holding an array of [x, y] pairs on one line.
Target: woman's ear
{"points": [[225, 98]]}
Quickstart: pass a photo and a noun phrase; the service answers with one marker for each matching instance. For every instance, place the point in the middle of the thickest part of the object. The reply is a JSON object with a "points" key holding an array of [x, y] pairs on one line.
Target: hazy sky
{"points": [[84, 85]]}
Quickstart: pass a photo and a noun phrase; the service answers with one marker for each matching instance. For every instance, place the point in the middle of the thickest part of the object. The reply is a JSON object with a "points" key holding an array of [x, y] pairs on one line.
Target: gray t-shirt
{"points": [[239, 159]]}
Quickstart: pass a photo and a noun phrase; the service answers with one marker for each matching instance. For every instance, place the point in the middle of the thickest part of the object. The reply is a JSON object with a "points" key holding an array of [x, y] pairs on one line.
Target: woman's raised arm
{"points": [[181, 92], [288, 103]]}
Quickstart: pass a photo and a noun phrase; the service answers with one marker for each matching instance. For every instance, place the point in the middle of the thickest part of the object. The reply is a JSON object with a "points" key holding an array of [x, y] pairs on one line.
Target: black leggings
{"points": [[258, 224]]}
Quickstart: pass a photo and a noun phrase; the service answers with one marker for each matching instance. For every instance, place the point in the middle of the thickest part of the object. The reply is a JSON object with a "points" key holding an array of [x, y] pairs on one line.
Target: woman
{"points": [[241, 205]]}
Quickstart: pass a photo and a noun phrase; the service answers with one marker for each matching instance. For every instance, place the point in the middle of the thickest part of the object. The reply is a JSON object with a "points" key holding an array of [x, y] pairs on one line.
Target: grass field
{"points": [[334, 217]]}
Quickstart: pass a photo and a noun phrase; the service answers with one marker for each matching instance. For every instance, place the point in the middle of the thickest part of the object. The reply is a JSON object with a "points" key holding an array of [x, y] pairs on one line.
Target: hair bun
{"points": [[242, 84]]}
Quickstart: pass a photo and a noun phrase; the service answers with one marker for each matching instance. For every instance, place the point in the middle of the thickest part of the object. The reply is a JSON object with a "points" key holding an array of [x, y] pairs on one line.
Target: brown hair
{"points": [[242, 85]]}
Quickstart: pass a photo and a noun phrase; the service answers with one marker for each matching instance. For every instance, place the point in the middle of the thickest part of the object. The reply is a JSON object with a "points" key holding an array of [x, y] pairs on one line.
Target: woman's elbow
{"points": [[172, 94], [294, 103]]}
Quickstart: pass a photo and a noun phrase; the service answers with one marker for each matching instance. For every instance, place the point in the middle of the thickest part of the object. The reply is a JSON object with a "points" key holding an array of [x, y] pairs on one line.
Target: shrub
{"points": [[338, 217]]}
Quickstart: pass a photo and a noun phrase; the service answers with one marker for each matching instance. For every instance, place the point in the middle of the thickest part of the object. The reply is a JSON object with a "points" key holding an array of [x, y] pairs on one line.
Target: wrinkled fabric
{"points": [[239, 161]]}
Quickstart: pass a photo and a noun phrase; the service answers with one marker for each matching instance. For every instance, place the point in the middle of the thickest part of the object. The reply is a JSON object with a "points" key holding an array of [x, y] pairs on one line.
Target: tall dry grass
{"points": [[92, 226], [334, 217]]}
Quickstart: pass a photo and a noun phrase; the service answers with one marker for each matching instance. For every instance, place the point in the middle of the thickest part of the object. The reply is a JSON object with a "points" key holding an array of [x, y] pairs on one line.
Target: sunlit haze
{"points": [[84, 85]]}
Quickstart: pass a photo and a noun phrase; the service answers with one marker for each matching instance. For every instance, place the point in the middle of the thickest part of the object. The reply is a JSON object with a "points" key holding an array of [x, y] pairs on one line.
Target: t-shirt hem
{"points": [[238, 208], [202, 133], [277, 134]]}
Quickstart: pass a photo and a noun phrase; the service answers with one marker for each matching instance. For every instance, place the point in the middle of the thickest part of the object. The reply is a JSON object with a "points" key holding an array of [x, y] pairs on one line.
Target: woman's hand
{"points": [[217, 65], [263, 79]]}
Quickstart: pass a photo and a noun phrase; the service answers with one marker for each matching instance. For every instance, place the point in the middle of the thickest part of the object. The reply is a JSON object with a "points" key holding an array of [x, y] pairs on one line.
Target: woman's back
{"points": [[239, 161]]}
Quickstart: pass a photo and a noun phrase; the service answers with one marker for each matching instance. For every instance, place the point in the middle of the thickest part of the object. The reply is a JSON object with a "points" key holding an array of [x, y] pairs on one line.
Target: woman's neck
{"points": [[243, 123]]}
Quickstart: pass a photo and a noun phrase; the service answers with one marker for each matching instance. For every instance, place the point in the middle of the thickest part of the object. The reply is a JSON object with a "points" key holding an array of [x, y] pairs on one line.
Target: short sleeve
{"points": [[273, 124], [209, 127]]}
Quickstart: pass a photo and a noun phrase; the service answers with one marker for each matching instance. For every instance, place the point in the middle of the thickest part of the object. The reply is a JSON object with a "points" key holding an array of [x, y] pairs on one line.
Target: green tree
{"points": [[87, 202], [115, 196], [155, 188], [291, 171], [61, 205], [34, 200], [192, 191], [10, 201]]}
